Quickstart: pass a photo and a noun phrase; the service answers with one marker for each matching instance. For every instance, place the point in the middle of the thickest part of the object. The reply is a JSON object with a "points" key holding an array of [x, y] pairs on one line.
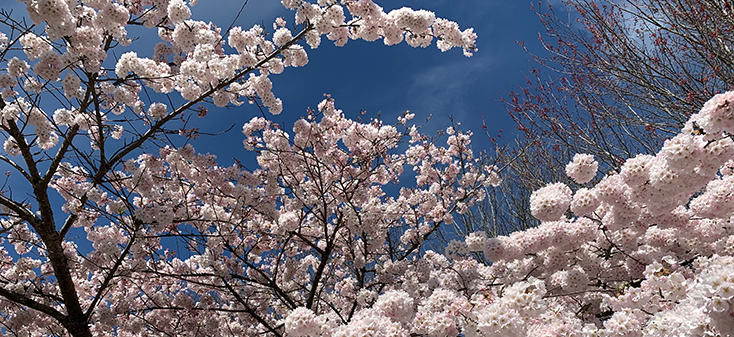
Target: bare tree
{"points": [[624, 74], [615, 79]]}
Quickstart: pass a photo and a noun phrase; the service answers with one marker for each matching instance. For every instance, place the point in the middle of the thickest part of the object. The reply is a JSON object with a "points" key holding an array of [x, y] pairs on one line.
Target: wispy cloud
{"points": [[444, 90]]}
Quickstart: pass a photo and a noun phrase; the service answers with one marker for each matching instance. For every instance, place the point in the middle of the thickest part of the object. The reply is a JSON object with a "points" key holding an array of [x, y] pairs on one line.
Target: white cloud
{"points": [[443, 90]]}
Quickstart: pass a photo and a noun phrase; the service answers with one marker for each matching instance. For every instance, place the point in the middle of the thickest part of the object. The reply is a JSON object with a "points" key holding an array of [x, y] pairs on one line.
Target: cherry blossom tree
{"points": [[111, 227], [647, 251]]}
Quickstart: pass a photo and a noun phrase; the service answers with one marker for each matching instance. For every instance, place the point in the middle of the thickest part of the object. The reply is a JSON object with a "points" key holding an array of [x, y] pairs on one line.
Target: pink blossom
{"points": [[301, 322], [550, 202], [582, 169]]}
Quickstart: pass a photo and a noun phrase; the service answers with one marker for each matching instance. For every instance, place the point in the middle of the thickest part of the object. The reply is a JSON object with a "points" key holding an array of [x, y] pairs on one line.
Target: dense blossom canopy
{"points": [[317, 240], [151, 237]]}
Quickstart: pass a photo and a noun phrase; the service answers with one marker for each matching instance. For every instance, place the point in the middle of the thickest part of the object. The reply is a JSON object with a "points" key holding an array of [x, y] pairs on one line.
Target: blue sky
{"points": [[373, 77], [376, 78]]}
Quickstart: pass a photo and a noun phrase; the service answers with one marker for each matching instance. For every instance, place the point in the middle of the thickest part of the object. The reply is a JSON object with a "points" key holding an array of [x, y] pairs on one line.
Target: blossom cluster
{"points": [[87, 118], [192, 58], [647, 251], [582, 169], [319, 194]]}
